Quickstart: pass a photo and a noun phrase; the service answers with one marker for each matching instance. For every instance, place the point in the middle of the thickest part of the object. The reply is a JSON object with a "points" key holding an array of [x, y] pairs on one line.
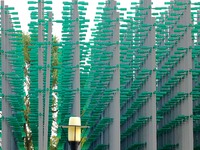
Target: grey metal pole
{"points": [[40, 75], [186, 138], [8, 141], [150, 131], [5, 135], [76, 60], [196, 123], [183, 133], [9, 25], [151, 87], [48, 72], [114, 106]]}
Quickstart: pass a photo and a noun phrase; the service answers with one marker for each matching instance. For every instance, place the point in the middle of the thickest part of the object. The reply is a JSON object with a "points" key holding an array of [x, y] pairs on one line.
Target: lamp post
{"points": [[74, 132]]}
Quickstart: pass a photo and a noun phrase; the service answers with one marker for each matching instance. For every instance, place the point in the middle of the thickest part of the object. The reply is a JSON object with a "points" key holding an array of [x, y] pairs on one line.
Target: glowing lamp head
{"points": [[74, 129]]}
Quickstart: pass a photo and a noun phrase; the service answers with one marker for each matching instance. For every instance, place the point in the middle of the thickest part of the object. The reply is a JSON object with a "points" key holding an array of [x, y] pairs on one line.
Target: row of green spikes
{"points": [[135, 126], [172, 124], [172, 103], [136, 104]]}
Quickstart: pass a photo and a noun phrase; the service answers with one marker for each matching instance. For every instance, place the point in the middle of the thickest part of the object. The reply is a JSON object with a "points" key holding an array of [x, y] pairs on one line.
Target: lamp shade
{"points": [[74, 129]]}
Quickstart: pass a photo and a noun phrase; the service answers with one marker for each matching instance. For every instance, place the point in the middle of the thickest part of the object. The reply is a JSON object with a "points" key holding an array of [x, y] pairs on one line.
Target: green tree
{"points": [[53, 143]]}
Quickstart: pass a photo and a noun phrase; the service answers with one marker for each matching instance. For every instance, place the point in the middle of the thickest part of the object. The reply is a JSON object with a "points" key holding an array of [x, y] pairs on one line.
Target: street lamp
{"points": [[74, 132]]}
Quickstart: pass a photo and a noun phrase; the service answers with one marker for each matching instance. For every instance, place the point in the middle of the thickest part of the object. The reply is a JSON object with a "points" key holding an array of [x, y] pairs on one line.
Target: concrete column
{"points": [[5, 105], [150, 131], [76, 60], [151, 87], [9, 25], [183, 133], [40, 75], [75, 63], [8, 141], [114, 106], [186, 136]]}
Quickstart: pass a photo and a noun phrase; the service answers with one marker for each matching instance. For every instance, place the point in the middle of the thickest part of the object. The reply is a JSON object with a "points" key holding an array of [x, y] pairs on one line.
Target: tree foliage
{"points": [[26, 41], [55, 60]]}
